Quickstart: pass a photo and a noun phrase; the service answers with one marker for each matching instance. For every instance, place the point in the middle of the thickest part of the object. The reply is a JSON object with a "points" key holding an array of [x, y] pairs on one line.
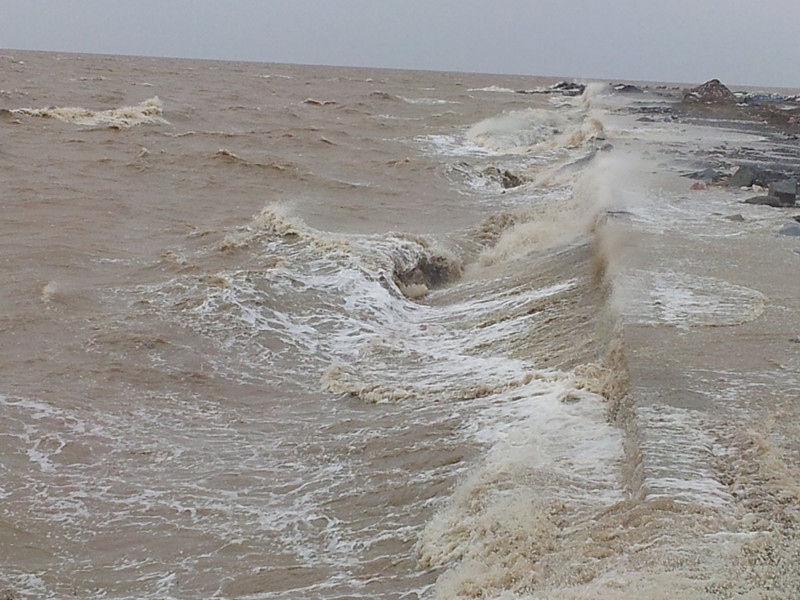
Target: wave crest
{"points": [[535, 129], [147, 112]]}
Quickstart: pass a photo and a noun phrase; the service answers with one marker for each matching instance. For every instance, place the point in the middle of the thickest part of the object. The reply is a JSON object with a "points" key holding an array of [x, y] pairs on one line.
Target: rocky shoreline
{"points": [[773, 177]]}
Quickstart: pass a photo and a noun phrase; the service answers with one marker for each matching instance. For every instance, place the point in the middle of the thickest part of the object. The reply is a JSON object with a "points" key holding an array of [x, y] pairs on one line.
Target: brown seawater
{"points": [[280, 331]]}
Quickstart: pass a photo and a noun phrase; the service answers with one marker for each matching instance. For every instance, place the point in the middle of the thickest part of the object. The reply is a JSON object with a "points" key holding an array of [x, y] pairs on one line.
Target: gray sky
{"points": [[746, 42]]}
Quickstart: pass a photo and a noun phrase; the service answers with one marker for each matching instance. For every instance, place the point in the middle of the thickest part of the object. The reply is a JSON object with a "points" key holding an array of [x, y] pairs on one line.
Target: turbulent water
{"points": [[275, 331]]}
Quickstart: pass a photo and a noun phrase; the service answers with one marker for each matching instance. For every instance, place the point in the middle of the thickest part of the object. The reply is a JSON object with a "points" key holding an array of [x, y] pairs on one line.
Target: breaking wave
{"points": [[534, 130], [147, 112]]}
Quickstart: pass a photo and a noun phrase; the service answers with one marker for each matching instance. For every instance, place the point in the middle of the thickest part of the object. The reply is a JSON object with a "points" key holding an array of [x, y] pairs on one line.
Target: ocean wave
{"points": [[147, 112], [493, 88], [533, 130]]}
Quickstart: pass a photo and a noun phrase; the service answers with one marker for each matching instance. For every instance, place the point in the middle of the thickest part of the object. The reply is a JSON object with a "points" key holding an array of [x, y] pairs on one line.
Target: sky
{"points": [[747, 42]]}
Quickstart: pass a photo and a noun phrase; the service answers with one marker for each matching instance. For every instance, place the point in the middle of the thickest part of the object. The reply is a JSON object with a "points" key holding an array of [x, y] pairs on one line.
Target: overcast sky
{"points": [[746, 42]]}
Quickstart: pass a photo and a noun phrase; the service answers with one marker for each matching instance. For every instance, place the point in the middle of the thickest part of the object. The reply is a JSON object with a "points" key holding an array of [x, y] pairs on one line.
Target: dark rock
{"points": [[568, 88], [708, 175], [744, 177], [785, 190], [506, 178], [769, 201], [431, 270], [796, 218], [790, 229], [738, 218], [760, 98], [711, 92], [509, 180], [627, 88]]}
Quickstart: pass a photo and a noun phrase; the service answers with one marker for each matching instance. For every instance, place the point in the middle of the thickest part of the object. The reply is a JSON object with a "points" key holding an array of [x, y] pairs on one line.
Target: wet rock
{"points": [[785, 191], [768, 201], [505, 177], [627, 88], [431, 271], [737, 218], [760, 98], [568, 88], [790, 229], [711, 92], [743, 177], [708, 175]]}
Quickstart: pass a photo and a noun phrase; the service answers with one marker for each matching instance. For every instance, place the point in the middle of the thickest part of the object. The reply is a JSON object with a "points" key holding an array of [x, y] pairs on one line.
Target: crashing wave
{"points": [[147, 112]]}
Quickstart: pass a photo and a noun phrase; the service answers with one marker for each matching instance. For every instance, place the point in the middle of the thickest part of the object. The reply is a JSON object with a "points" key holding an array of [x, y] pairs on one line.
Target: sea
{"points": [[275, 331]]}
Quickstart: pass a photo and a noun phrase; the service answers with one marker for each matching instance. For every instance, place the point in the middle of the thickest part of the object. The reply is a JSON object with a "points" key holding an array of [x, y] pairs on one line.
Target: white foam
{"points": [[147, 112], [684, 300], [427, 101], [551, 449], [679, 454], [493, 88]]}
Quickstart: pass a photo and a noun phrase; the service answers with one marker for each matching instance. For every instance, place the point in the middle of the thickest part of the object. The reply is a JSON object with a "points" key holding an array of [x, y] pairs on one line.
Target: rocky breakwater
{"points": [[714, 100], [772, 171]]}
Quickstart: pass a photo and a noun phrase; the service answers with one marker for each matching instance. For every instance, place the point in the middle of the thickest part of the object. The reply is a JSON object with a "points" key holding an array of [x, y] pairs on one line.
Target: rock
{"points": [[431, 271], [699, 186], [509, 180], [627, 88], [506, 178], [743, 177], [708, 175], [790, 229], [796, 218], [768, 201], [711, 92], [785, 191], [738, 218], [568, 88]]}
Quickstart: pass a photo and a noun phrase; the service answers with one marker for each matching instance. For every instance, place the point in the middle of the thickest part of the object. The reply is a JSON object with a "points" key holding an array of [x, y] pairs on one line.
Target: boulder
{"points": [[785, 191], [708, 175], [711, 92], [769, 201], [737, 218], [505, 178], [743, 177], [568, 88], [790, 229], [627, 88]]}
